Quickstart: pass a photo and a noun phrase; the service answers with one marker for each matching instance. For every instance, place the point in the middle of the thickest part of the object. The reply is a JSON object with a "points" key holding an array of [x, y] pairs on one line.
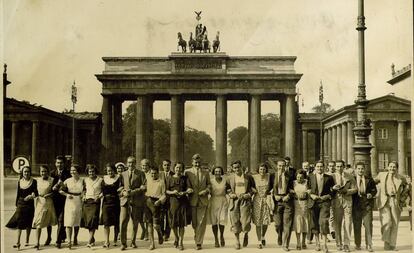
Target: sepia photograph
{"points": [[259, 126]]}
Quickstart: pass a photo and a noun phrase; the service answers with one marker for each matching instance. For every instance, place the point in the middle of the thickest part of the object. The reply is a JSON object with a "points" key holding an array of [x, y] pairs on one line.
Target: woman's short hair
{"points": [[76, 167], [301, 172], [27, 167], [45, 167], [394, 162], [91, 167], [218, 167], [111, 166], [264, 165]]}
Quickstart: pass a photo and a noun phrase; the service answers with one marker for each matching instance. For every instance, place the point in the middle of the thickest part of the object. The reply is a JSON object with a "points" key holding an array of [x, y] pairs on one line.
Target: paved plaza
{"points": [[404, 243]]}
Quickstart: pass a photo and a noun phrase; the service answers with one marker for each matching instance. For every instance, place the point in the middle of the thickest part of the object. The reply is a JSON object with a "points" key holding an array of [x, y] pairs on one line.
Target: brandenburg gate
{"points": [[182, 77]]}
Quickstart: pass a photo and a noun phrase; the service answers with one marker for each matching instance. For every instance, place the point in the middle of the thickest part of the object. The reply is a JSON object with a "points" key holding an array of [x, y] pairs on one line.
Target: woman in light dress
{"points": [[300, 219], [261, 209], [91, 202], [73, 188], [22, 218], [217, 213], [44, 215]]}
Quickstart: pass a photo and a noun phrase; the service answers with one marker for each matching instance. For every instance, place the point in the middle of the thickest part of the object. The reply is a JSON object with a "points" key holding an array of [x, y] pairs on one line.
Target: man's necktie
{"points": [[361, 186]]}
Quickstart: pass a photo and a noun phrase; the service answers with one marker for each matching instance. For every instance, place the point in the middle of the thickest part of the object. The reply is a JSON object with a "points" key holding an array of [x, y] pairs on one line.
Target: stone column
{"points": [[15, 128], [350, 143], [107, 129], [334, 143], [374, 152], [149, 151], [344, 143], [221, 131], [117, 129], [282, 102], [339, 142], [254, 133], [329, 150], [66, 141], [52, 142], [59, 142], [325, 144], [141, 129], [177, 129], [35, 139], [290, 128], [304, 145], [401, 148]]}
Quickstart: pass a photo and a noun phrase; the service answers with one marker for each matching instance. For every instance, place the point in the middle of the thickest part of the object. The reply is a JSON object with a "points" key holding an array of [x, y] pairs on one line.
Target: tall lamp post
{"points": [[362, 129], [74, 100], [321, 156]]}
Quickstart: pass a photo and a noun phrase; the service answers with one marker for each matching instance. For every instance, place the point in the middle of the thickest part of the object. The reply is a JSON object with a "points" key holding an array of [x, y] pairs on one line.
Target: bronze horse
{"points": [[181, 43], [201, 43]]}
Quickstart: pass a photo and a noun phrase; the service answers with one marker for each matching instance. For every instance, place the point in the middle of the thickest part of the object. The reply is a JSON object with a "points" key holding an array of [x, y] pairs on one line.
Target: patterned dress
{"points": [[300, 219], [45, 214], [261, 209], [73, 206], [218, 207]]}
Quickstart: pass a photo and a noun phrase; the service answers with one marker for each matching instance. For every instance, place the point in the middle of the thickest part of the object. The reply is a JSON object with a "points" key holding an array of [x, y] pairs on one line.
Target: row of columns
{"points": [[338, 141], [144, 128], [55, 140], [305, 145]]}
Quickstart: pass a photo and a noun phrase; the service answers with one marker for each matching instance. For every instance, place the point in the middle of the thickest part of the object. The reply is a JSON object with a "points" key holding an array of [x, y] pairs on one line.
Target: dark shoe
{"points": [[70, 245], [216, 244], [181, 247], [285, 248], [198, 247], [279, 240], [346, 248], [133, 245], [16, 246], [58, 245], [222, 242], [237, 246], [304, 246], [357, 247], [123, 247], [176, 244], [318, 247], [333, 235], [246, 240], [264, 242], [151, 247], [142, 235], [339, 247], [166, 238], [160, 240], [75, 242], [369, 248], [260, 246], [298, 247], [47, 242]]}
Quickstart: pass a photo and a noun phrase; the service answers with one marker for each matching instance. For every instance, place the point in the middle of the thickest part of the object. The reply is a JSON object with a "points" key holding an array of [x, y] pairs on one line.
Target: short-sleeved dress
{"points": [[261, 210], [219, 205], [300, 219], [91, 205], [45, 214], [177, 212], [111, 205], [73, 206], [23, 216]]}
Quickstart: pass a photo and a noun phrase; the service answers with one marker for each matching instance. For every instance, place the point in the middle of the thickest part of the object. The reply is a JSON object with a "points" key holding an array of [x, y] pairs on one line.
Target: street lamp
{"points": [[74, 100], [362, 129]]}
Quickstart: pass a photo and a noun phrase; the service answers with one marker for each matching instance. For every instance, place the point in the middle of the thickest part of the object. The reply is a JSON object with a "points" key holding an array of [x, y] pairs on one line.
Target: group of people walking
{"points": [[310, 202]]}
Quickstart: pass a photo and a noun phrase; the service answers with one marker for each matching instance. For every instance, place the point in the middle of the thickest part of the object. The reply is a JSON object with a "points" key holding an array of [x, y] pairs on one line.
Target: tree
{"points": [[195, 141], [270, 133], [325, 108]]}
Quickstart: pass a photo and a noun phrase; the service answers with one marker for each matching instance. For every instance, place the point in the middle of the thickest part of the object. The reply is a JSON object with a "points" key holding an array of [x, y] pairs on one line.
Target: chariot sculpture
{"points": [[200, 40]]}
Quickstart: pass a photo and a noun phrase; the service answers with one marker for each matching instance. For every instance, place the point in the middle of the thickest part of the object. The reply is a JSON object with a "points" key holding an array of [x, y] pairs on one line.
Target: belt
{"points": [[153, 198], [391, 196], [301, 198], [75, 193]]}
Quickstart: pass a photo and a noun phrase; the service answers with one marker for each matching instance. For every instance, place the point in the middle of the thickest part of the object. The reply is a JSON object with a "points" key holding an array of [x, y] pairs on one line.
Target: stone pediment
{"points": [[389, 103]]}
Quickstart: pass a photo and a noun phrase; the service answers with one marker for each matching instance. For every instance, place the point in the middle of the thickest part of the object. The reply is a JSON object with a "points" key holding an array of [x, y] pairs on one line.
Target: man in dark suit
{"points": [[240, 189], [165, 222], [199, 181], [320, 186], [281, 182], [60, 174], [363, 204], [132, 201]]}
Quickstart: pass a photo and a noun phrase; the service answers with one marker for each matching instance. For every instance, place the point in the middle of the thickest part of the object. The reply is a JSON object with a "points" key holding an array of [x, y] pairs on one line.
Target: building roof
{"points": [[400, 75], [84, 115]]}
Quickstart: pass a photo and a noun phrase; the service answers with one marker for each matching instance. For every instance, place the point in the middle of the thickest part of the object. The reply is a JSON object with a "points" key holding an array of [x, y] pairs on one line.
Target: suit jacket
{"points": [[400, 184], [361, 203], [289, 178], [327, 185], [59, 199], [349, 186], [249, 186], [136, 197], [198, 186]]}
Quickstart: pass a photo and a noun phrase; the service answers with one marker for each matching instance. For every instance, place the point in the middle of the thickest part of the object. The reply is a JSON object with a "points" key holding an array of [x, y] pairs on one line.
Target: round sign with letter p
{"points": [[19, 162]]}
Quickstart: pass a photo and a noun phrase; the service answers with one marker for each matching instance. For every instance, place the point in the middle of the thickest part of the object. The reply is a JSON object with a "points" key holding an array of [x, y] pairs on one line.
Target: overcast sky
{"points": [[48, 44]]}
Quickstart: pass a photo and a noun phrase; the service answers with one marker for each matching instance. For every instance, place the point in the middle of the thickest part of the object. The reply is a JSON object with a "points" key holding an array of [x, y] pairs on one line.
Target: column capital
{"points": [[401, 121]]}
